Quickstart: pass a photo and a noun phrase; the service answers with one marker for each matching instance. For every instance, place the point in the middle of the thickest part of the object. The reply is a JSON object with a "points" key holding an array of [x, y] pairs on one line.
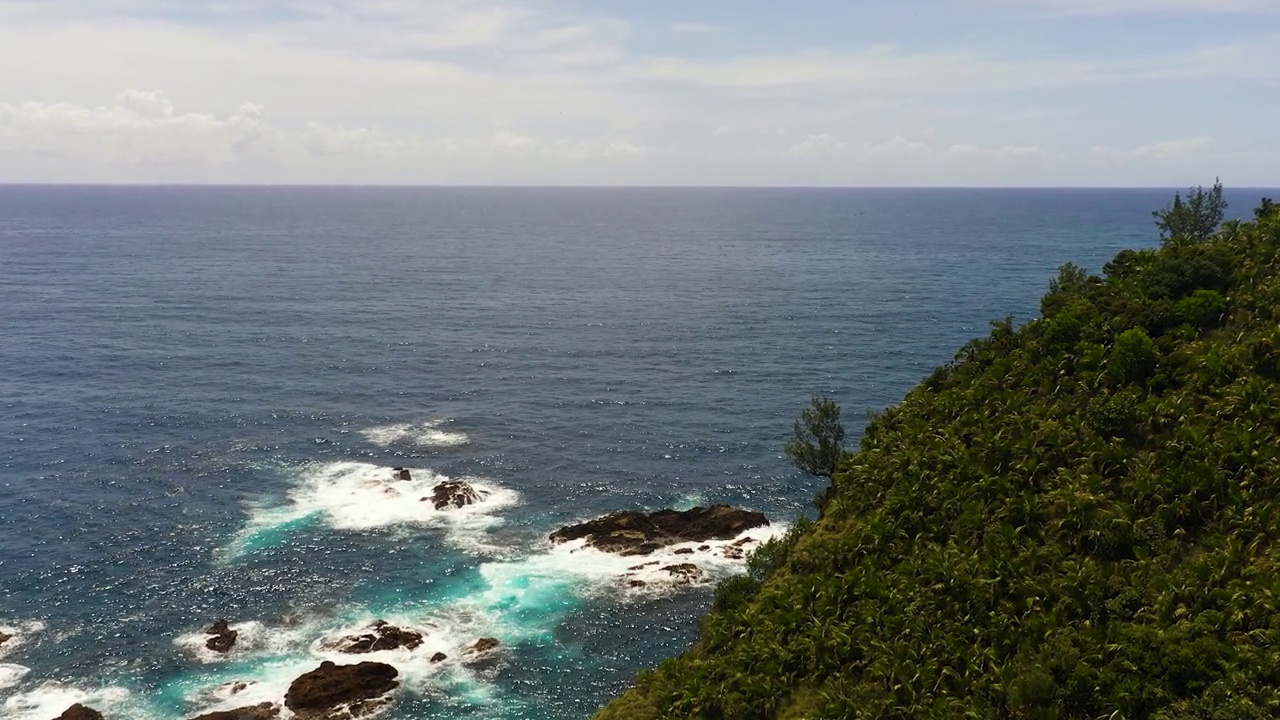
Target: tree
{"points": [[1195, 218], [817, 440], [1265, 208]]}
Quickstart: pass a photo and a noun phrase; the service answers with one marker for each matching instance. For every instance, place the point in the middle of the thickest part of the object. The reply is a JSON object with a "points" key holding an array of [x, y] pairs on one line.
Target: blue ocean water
{"points": [[203, 391]]}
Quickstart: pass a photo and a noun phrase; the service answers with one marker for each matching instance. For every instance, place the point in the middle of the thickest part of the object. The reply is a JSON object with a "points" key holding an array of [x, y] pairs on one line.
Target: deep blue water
{"points": [[202, 390]]}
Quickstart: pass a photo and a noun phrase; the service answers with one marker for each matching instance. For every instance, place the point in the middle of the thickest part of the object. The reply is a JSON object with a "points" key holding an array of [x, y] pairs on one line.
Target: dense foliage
{"points": [[1077, 518]]}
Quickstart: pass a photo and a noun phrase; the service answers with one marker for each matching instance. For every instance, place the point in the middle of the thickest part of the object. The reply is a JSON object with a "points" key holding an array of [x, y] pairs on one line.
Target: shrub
{"points": [[1133, 357]]}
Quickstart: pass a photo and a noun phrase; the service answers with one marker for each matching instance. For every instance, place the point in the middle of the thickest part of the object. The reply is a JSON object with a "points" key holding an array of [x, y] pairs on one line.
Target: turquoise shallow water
{"points": [[203, 391]]}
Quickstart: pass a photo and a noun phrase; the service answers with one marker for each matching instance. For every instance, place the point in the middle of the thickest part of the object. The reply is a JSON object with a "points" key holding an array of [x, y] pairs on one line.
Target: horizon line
{"points": [[499, 186]]}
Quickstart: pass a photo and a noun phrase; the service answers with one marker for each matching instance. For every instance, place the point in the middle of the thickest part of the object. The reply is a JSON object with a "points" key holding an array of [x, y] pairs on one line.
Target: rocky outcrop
{"points": [[483, 654], [685, 573], [377, 637], [454, 494], [222, 639], [484, 645], [334, 691], [439, 657], [5, 637], [80, 712], [636, 533], [402, 474], [265, 711]]}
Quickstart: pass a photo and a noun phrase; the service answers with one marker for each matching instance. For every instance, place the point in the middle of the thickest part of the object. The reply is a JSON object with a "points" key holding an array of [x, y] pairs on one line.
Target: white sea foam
{"points": [[19, 634], [450, 632], [543, 579], [520, 601], [252, 638], [11, 675], [361, 496], [427, 434], [52, 699]]}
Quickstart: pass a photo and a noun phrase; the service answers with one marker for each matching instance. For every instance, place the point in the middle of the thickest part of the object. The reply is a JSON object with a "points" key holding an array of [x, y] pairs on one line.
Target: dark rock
{"points": [[685, 573], [644, 565], [265, 711], [340, 691], [402, 474], [380, 636], [703, 548], [439, 657], [484, 645], [684, 551], [734, 553], [744, 541], [482, 655], [635, 533], [80, 712], [224, 638], [637, 583], [455, 494], [5, 637]]}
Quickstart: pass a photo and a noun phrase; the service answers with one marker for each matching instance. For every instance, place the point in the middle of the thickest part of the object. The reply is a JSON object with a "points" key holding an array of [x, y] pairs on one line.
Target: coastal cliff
{"points": [[1078, 517]]}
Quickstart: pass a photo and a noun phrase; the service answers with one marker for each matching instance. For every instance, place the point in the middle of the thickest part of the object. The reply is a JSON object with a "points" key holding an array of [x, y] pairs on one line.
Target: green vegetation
{"points": [[817, 441], [1077, 518], [1196, 218]]}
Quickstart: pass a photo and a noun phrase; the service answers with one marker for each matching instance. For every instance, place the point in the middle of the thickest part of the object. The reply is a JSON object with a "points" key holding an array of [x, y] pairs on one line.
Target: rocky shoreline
{"points": [[335, 691]]}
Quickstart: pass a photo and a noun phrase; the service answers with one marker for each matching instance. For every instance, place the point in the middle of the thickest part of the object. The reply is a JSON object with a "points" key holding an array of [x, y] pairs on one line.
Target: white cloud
{"points": [[693, 28], [1019, 151], [507, 140], [140, 126], [1173, 148], [529, 91], [1145, 7], [825, 145]]}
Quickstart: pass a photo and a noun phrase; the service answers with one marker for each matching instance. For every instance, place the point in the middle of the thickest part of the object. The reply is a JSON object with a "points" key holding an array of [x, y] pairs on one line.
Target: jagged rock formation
{"points": [[223, 637], [635, 533], [338, 692]]}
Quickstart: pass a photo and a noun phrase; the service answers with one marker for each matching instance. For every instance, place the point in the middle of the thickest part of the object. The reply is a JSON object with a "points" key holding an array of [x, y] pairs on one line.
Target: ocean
{"points": [[204, 391]]}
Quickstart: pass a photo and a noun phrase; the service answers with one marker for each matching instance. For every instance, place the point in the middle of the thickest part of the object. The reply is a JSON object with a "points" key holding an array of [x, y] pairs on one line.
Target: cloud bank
{"points": [[529, 92]]}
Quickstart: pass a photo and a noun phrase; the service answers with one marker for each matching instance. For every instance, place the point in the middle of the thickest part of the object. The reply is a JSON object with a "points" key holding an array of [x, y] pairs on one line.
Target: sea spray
{"points": [[18, 634], [51, 699], [11, 674], [358, 496], [428, 435]]}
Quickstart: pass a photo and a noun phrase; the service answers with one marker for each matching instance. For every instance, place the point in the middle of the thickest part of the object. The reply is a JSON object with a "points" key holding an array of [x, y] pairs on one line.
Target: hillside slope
{"points": [[1077, 518]]}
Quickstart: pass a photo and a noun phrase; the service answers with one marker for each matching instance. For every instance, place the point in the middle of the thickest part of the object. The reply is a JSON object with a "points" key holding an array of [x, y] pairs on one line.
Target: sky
{"points": [[654, 92]]}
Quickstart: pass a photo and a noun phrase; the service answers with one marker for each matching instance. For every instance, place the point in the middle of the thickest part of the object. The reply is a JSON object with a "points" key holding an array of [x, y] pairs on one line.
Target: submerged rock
{"points": [[265, 711], [223, 637], [379, 636], [636, 533], [80, 712], [341, 691], [454, 494]]}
